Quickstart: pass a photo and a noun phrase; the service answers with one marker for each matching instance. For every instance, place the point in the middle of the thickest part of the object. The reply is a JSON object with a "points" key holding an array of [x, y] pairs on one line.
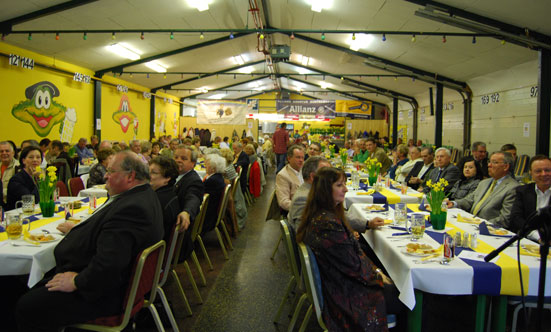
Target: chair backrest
{"points": [[312, 279], [75, 186], [273, 211], [291, 248], [455, 156], [223, 205], [167, 259], [63, 169], [84, 178], [466, 153], [197, 226], [143, 279], [74, 165], [522, 165], [63, 191], [234, 184]]}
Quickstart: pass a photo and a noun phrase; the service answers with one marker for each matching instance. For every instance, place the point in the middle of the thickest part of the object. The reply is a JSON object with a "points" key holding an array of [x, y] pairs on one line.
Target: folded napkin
{"points": [[475, 221], [422, 205], [483, 228], [525, 252], [348, 174], [369, 192], [363, 185]]}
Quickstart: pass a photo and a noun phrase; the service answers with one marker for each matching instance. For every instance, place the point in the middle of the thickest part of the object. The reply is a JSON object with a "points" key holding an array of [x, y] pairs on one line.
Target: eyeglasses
{"points": [[494, 162], [112, 171]]}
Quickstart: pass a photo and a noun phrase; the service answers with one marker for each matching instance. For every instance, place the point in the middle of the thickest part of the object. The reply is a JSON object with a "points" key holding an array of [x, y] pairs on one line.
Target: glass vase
{"points": [[47, 208], [438, 220]]}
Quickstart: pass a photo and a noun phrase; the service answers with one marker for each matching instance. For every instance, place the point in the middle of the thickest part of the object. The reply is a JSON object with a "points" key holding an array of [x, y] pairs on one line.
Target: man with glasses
{"points": [[494, 197], [8, 167], [480, 156], [313, 150], [443, 168], [94, 260]]}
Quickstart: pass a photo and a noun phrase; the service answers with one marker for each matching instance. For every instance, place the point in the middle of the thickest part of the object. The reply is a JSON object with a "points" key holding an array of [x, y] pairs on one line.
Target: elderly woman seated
{"points": [[214, 185], [471, 175], [163, 172], [97, 172]]}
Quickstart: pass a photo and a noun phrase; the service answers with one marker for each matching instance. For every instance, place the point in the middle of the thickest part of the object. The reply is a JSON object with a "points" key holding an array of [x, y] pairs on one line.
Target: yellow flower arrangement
{"points": [[372, 166], [436, 195], [46, 183]]}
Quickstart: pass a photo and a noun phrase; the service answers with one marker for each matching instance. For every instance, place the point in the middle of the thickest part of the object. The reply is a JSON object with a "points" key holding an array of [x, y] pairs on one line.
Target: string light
{"points": [[142, 36], [57, 36], [201, 36], [85, 36], [353, 36], [474, 40], [323, 36], [503, 42], [131, 75], [378, 78], [395, 78], [231, 35], [164, 76], [147, 75], [171, 35], [113, 36], [413, 39], [292, 36], [384, 37], [261, 35], [413, 79], [444, 38], [30, 37]]}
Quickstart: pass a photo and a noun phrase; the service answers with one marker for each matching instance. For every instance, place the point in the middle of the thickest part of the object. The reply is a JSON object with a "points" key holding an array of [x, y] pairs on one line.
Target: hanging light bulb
{"points": [[378, 78], [474, 40], [231, 35], [171, 35], [292, 36], [353, 36], [261, 35], [395, 78], [444, 38], [384, 37], [323, 36], [57, 36], [142, 36], [413, 39], [413, 79], [503, 42], [85, 36], [164, 76], [113, 36], [201, 36], [147, 75], [30, 37], [131, 75]]}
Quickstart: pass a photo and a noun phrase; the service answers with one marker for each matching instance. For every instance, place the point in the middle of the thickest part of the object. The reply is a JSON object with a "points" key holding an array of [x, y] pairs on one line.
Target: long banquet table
{"points": [[35, 260], [389, 195], [467, 274]]}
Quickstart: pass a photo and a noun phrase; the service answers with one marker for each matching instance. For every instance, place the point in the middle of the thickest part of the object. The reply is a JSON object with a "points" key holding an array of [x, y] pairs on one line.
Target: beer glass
{"points": [[27, 204], [417, 226], [14, 226]]}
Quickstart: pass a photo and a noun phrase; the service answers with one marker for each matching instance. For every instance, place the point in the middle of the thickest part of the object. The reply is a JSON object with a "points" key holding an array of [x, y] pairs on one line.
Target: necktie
{"points": [[486, 195], [439, 174]]}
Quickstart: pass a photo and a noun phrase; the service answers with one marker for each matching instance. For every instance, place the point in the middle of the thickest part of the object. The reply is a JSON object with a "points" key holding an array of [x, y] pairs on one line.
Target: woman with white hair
{"points": [[215, 166]]}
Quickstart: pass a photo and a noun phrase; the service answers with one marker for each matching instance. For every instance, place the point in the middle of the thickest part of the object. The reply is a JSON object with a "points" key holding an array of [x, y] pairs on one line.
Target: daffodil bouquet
{"points": [[436, 195], [332, 150], [216, 146], [344, 156], [372, 167], [46, 183]]}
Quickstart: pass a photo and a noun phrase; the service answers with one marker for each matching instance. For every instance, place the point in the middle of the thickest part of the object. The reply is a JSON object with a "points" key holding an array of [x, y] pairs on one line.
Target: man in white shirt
{"points": [[289, 178], [533, 196], [421, 169], [414, 157]]}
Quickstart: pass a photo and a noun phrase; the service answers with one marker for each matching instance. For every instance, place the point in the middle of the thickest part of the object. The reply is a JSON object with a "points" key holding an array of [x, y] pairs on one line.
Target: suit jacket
{"points": [[171, 207], [415, 171], [214, 185], [496, 208], [190, 190], [8, 173], [287, 183], [525, 203], [103, 249], [21, 184], [243, 161], [451, 173], [484, 165], [381, 156]]}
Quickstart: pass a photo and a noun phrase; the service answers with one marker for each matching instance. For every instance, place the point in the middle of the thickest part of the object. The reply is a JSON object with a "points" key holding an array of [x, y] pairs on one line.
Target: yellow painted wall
{"points": [[14, 80], [167, 117], [221, 130]]}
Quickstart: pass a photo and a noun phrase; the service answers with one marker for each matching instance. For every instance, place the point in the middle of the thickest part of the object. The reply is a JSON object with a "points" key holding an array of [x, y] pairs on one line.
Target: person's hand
{"points": [[420, 189], [386, 280], [450, 204], [183, 221], [414, 180], [62, 282], [376, 222], [65, 227], [356, 235]]}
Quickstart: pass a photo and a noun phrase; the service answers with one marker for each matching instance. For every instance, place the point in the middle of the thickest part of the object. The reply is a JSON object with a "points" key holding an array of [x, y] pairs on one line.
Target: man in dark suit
{"points": [[189, 186], [241, 159], [443, 168], [95, 259], [480, 156], [421, 169], [532, 196]]}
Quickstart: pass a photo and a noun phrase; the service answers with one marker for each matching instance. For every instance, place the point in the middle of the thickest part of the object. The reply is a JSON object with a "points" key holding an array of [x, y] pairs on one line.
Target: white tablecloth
{"points": [[357, 196], [453, 279], [94, 191]]}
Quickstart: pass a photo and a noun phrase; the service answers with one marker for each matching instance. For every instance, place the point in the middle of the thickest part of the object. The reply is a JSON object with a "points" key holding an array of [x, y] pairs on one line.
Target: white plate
{"points": [[55, 237], [404, 251]]}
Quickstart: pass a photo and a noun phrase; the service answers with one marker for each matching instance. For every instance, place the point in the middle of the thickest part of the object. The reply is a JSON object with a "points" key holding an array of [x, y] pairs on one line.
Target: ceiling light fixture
{"points": [[292, 36], [384, 37], [113, 36], [474, 40], [444, 39], [305, 60], [231, 35], [156, 66], [319, 5], [85, 36], [30, 37], [142, 36], [323, 36], [57, 36], [238, 60], [172, 35], [124, 51], [413, 39], [201, 36], [200, 5], [362, 40]]}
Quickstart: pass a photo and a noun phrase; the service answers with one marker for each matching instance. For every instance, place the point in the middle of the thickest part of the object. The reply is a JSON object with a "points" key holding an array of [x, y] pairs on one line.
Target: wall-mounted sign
{"points": [[147, 95], [24, 62], [78, 77], [122, 88], [319, 109]]}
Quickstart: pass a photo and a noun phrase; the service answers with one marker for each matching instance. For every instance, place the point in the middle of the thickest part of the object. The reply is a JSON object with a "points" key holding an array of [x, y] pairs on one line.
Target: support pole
{"points": [[438, 115], [544, 103]]}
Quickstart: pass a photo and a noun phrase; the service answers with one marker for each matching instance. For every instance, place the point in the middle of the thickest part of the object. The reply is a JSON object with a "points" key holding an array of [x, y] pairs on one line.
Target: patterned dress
{"points": [[352, 292]]}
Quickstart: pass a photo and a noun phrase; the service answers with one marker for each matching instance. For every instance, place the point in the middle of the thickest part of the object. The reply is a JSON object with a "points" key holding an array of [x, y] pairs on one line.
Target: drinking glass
{"points": [[404, 188], [417, 226], [14, 226], [27, 204], [400, 215]]}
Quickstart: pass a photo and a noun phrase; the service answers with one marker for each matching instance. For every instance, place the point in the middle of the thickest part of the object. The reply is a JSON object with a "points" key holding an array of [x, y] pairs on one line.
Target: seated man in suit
{"points": [[189, 186], [533, 196], [421, 169], [94, 260], [414, 157], [241, 160], [378, 153], [494, 197], [480, 156], [443, 168], [289, 178]]}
